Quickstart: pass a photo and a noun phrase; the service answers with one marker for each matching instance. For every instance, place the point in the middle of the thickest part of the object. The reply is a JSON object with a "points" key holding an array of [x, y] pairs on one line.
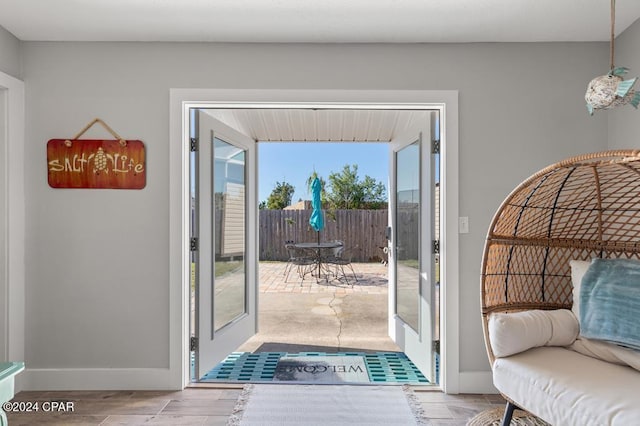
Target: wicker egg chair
{"points": [[584, 207]]}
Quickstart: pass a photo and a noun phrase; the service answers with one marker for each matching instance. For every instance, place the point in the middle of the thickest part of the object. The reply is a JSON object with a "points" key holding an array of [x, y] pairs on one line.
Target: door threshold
{"points": [[217, 385]]}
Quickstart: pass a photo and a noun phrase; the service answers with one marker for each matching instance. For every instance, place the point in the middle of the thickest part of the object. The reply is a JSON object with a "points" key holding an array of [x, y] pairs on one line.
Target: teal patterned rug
{"points": [[261, 367]]}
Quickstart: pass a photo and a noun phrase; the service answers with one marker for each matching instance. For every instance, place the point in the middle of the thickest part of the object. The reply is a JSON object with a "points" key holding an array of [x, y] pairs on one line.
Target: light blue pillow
{"points": [[610, 302]]}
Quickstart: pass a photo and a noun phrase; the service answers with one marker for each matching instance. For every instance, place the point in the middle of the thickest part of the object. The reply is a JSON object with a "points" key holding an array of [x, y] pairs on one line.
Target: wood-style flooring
{"points": [[201, 406]]}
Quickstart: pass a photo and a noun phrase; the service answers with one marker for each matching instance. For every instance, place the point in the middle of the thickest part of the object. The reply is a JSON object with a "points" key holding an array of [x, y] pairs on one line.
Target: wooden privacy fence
{"points": [[362, 228]]}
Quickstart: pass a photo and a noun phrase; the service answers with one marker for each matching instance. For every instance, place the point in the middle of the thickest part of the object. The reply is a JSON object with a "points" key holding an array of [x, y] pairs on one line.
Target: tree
{"points": [[349, 192], [280, 197], [375, 193]]}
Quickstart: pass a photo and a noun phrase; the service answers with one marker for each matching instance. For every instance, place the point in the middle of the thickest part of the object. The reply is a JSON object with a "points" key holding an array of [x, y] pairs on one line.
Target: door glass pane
{"points": [[229, 293], [408, 234]]}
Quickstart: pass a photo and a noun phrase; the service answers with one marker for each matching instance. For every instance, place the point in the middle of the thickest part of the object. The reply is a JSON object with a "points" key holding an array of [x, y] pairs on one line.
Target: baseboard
{"points": [[97, 379], [476, 382]]}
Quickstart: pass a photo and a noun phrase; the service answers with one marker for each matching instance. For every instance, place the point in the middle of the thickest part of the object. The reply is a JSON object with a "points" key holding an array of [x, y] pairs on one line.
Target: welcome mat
{"points": [[321, 369], [326, 405], [260, 367]]}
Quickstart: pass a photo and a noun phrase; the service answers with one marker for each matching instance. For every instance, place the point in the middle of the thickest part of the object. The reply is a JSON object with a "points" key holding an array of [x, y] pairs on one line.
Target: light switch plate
{"points": [[463, 225]]}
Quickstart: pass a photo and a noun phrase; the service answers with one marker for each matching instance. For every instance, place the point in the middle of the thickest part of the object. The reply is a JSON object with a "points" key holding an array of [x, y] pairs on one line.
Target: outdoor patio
{"points": [[372, 279], [316, 315]]}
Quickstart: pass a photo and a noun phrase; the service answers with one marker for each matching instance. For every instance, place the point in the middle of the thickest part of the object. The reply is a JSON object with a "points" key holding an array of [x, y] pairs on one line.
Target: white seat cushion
{"points": [[518, 331], [566, 388]]}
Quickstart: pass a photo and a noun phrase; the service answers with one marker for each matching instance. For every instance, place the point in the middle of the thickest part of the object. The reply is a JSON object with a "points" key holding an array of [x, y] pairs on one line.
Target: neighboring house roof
{"points": [[300, 205]]}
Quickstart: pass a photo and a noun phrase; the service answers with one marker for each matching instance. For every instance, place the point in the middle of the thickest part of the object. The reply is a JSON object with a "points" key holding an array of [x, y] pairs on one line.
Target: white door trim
{"points": [[385, 99], [12, 287]]}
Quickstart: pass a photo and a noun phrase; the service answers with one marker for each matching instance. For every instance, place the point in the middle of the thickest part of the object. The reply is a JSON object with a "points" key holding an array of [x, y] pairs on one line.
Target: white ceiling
{"points": [[315, 21], [326, 125]]}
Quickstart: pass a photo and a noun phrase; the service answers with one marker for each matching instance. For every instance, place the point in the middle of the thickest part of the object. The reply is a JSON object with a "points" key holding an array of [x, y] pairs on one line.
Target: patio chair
{"points": [[340, 259], [302, 263], [335, 252]]}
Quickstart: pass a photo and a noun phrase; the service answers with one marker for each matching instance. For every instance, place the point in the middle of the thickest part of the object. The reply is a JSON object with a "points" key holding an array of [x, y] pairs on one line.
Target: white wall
{"points": [[9, 53], [97, 277], [624, 122]]}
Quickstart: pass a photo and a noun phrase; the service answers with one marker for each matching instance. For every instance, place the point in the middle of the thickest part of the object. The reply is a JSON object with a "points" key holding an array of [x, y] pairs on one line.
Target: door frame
{"points": [[414, 340], [215, 344], [446, 101], [12, 283]]}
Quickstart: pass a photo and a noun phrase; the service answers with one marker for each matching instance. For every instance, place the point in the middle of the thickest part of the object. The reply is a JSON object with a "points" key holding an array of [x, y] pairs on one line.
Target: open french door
{"points": [[412, 260], [225, 228]]}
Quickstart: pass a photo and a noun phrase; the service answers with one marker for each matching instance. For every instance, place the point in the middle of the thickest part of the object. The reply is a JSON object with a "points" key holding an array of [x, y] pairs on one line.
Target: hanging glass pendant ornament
{"points": [[611, 90]]}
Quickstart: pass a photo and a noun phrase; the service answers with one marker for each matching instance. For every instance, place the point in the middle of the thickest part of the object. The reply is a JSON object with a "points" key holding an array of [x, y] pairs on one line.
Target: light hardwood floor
{"points": [[203, 406]]}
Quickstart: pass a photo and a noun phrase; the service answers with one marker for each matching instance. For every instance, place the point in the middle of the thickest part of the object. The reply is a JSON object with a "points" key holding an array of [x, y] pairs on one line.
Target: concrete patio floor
{"points": [[315, 315]]}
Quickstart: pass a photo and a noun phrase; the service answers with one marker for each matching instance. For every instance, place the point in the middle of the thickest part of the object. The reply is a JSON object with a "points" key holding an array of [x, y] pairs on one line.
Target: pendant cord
{"points": [[612, 39]]}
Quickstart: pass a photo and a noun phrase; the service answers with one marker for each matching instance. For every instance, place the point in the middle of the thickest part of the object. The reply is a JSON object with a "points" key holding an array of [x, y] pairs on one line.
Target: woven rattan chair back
{"points": [[584, 207]]}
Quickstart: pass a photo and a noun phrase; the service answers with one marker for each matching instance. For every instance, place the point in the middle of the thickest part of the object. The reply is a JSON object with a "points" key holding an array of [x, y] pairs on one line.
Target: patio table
{"points": [[317, 248]]}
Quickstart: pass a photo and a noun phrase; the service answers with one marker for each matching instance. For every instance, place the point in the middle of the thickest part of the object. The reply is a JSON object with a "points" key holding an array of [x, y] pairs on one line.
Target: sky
{"points": [[293, 162]]}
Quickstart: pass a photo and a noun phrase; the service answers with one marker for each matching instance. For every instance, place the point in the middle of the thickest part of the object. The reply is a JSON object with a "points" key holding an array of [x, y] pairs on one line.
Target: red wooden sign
{"points": [[92, 163]]}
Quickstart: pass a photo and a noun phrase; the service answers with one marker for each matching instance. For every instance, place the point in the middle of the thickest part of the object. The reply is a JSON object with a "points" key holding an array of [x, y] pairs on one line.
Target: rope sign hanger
{"points": [[123, 142]]}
